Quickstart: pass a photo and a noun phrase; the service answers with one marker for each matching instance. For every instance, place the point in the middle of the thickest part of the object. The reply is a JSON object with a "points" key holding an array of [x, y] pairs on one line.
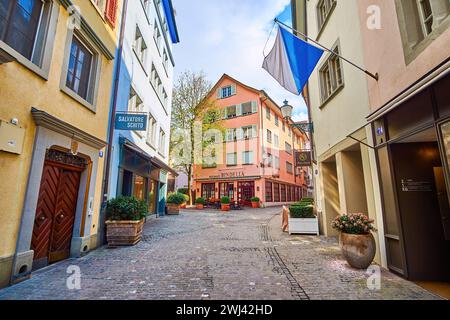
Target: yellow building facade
{"points": [[56, 74]]}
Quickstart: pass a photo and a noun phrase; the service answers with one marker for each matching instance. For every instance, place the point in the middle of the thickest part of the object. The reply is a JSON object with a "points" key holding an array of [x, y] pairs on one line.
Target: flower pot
{"points": [[358, 249], [173, 209], [183, 206], [124, 233], [303, 226], [199, 206], [255, 205], [225, 207]]}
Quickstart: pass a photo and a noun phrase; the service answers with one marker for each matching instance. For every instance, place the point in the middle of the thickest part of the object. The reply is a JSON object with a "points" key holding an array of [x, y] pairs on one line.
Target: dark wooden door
{"points": [[55, 214]]}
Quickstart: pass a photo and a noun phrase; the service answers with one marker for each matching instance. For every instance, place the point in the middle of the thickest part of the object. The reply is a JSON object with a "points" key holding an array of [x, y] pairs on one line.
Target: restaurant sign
{"points": [[131, 122], [303, 158]]}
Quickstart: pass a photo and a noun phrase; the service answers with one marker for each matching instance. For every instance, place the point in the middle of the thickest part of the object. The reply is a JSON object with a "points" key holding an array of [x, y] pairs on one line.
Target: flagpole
{"points": [[375, 76]]}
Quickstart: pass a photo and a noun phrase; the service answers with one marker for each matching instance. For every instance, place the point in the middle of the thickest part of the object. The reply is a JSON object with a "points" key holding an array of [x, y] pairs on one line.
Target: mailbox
{"points": [[11, 137]]}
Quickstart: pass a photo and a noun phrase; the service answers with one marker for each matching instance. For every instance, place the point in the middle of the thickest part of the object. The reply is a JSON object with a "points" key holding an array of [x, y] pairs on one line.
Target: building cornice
{"points": [[45, 120], [90, 32]]}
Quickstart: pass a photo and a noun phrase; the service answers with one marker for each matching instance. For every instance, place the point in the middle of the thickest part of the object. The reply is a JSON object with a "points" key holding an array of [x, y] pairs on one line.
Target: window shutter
{"points": [[240, 133], [254, 106], [233, 89], [225, 113], [239, 110], [219, 93], [111, 12]]}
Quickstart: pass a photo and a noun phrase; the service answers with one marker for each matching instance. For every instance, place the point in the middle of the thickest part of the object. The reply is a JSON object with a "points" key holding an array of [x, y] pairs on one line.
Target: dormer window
{"points": [[226, 92]]}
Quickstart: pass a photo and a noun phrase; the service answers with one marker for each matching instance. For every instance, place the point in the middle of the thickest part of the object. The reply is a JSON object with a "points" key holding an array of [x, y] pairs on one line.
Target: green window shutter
{"points": [[233, 89], [239, 110], [254, 106]]}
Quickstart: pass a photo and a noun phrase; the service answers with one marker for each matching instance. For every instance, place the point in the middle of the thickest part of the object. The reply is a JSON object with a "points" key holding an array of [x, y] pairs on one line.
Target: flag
{"points": [[292, 61]]}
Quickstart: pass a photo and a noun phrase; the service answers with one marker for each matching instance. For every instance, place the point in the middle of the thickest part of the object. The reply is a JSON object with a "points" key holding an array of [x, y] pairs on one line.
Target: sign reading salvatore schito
{"points": [[131, 121], [303, 158]]}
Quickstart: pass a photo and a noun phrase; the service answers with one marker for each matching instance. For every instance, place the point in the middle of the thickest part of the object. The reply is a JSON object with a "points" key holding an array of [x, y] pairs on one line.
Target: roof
{"points": [[261, 93], [171, 22]]}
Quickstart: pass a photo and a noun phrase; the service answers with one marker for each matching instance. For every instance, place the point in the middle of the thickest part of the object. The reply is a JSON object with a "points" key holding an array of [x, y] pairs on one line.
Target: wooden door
{"points": [[55, 214]]}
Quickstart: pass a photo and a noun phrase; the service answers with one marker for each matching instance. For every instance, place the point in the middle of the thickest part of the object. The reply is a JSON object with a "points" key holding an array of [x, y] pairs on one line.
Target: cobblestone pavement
{"points": [[210, 255]]}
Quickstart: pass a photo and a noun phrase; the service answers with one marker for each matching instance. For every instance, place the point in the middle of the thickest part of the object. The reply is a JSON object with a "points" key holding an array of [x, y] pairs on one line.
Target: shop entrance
{"points": [[423, 205], [246, 191]]}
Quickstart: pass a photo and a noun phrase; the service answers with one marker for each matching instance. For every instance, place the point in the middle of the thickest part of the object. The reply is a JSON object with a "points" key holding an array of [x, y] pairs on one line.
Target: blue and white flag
{"points": [[292, 61]]}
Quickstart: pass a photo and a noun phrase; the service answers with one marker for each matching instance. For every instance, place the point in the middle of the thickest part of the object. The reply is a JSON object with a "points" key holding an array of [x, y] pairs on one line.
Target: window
{"points": [[226, 190], [165, 60], [283, 193], [209, 158], [277, 121], [426, 16], [247, 108], [324, 8], [140, 187], [276, 141], [80, 71], [269, 136], [289, 193], [146, 6], [247, 157], [331, 78], [232, 159], [269, 192], [156, 82], [268, 113], [157, 36], [289, 132], [151, 133], [226, 92], [23, 26], [100, 5], [289, 167], [269, 160], [208, 191], [288, 147], [231, 135], [276, 192], [135, 103], [284, 127], [139, 46], [162, 142]]}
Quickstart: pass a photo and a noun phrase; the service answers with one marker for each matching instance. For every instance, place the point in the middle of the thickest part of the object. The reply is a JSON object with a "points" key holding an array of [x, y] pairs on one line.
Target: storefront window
{"points": [[152, 197], [276, 192], [227, 190], [140, 188], [445, 130], [269, 192], [208, 191]]}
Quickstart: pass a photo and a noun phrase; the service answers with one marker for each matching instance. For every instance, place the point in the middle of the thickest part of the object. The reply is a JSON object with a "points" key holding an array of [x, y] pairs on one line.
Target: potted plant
{"points": [[355, 239], [302, 218], [186, 200], [225, 203], [174, 201], [255, 202], [200, 203], [125, 221]]}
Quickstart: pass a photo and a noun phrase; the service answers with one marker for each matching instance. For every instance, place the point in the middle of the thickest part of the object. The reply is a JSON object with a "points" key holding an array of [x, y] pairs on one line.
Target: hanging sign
{"points": [[303, 158], [131, 122]]}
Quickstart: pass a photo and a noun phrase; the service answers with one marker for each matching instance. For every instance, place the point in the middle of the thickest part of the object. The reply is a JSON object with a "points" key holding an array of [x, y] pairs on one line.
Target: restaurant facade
{"points": [[255, 157]]}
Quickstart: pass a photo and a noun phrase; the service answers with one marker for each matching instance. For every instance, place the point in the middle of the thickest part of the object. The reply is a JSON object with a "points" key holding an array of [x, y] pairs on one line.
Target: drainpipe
{"points": [[106, 184]]}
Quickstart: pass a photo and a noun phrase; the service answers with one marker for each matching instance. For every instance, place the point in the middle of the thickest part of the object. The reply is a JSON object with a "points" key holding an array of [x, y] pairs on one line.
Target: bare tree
{"points": [[192, 113]]}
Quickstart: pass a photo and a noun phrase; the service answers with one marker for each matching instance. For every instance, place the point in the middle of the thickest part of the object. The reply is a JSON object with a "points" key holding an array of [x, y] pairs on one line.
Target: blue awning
{"points": [[170, 15]]}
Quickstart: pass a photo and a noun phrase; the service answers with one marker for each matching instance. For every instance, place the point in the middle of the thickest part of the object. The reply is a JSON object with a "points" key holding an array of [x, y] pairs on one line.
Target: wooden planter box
{"points": [[304, 226], [173, 209], [124, 233]]}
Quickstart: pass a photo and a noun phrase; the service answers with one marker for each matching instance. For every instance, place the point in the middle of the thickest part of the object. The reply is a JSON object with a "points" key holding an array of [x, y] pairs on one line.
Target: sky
{"points": [[219, 37]]}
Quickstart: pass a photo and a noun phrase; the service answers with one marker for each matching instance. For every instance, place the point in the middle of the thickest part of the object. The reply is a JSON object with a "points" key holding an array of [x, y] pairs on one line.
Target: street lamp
{"points": [[286, 110]]}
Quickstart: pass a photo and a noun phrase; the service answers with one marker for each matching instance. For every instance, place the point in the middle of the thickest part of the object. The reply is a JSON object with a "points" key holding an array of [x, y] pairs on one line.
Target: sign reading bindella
{"points": [[131, 122]]}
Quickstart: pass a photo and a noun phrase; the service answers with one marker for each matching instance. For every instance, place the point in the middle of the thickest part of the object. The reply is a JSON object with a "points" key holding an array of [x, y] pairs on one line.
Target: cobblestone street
{"points": [[210, 255]]}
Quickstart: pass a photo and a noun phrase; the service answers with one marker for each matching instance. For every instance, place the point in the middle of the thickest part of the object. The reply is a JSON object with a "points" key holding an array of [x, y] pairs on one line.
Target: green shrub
{"points": [[301, 212], [255, 199], [225, 200], [200, 201], [126, 209], [176, 198], [186, 198], [183, 191]]}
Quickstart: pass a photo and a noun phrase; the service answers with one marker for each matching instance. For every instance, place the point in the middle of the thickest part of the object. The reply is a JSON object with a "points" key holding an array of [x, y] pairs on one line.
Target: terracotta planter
{"points": [[255, 205], [358, 249], [225, 207], [183, 206], [124, 233], [173, 209], [199, 206]]}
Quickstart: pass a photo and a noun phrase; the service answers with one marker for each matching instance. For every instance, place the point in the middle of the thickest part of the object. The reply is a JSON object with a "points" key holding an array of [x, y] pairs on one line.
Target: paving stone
{"points": [[211, 255]]}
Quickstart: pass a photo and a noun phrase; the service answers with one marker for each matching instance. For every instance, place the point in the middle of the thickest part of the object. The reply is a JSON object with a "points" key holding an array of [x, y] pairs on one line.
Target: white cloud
{"points": [[228, 37]]}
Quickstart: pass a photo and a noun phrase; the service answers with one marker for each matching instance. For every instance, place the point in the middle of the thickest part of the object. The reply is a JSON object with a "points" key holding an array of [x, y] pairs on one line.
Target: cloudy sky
{"points": [[220, 37]]}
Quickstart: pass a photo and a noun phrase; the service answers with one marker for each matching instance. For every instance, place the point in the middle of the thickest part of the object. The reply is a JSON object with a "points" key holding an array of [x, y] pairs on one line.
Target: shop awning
{"points": [[153, 160]]}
